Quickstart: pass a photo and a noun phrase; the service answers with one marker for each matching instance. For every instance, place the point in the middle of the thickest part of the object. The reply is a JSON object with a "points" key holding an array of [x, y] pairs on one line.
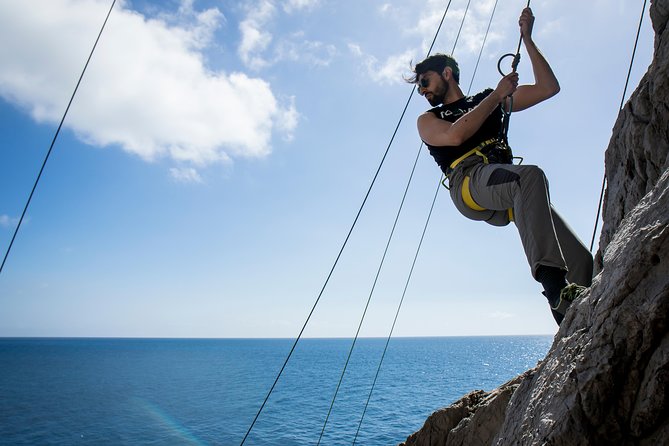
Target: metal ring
{"points": [[499, 63]]}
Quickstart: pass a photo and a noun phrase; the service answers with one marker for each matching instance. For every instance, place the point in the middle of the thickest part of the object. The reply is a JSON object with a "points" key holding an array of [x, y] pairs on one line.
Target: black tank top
{"points": [[445, 155]]}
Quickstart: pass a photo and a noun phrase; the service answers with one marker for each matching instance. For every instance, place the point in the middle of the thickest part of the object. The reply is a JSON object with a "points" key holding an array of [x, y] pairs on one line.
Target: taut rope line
{"points": [[53, 141], [341, 250], [514, 65], [385, 252], [390, 237], [485, 38], [622, 101], [420, 243]]}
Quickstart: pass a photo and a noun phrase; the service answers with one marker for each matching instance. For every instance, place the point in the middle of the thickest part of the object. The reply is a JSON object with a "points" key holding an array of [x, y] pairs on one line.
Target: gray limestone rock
{"points": [[605, 380], [637, 153]]}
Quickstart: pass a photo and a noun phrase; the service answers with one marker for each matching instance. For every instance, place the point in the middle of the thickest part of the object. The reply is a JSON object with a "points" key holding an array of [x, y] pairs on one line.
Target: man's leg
{"points": [[577, 256], [552, 250], [525, 189]]}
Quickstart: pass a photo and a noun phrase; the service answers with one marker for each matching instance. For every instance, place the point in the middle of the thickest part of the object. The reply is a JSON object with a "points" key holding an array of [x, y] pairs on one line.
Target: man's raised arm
{"points": [[545, 83]]}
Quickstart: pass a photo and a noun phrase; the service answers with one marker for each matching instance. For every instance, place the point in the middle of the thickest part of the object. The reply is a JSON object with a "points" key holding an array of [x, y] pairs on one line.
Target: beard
{"points": [[437, 98]]}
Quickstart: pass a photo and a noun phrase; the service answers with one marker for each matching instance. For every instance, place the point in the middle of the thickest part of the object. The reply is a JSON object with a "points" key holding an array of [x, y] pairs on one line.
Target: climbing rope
{"points": [[422, 238], [622, 102], [514, 67], [506, 114], [390, 237], [53, 141], [462, 23], [485, 38], [334, 265], [376, 278]]}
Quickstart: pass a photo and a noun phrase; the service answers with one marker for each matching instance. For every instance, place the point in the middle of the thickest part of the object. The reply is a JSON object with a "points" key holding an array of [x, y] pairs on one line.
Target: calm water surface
{"points": [[207, 392]]}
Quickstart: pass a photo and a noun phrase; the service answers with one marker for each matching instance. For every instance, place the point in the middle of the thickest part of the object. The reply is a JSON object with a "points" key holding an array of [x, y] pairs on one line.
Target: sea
{"points": [[108, 391]]}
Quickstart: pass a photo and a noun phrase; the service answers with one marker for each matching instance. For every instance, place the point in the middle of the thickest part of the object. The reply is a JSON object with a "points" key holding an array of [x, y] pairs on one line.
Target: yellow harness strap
{"points": [[469, 200], [467, 196], [475, 151], [466, 193]]}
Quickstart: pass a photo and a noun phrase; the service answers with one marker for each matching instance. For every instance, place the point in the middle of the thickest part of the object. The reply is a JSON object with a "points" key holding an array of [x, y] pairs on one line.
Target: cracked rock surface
{"points": [[605, 380]]}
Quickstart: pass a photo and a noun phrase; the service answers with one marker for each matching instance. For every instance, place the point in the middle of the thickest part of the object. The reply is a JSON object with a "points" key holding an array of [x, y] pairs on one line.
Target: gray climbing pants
{"points": [[546, 237]]}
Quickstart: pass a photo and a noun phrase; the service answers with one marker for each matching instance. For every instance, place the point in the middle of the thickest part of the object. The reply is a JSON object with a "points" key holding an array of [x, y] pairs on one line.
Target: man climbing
{"points": [[465, 136]]}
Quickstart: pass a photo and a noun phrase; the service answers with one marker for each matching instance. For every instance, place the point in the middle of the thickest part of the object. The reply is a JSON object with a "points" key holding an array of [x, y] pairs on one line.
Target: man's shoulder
{"points": [[482, 95], [460, 106], [434, 111]]}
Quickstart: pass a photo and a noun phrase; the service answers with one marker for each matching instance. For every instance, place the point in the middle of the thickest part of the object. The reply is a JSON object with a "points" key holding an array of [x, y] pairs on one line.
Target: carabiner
{"points": [[514, 63]]}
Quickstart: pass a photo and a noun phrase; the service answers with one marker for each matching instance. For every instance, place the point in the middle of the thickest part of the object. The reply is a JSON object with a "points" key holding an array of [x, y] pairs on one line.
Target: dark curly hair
{"points": [[437, 62]]}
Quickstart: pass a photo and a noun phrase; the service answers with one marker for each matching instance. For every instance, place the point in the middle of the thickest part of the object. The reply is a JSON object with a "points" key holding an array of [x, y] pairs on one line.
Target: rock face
{"points": [[605, 380], [637, 154]]}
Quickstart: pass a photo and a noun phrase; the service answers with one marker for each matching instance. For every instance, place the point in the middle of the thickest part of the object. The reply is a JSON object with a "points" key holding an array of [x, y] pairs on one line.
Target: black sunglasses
{"points": [[424, 83]]}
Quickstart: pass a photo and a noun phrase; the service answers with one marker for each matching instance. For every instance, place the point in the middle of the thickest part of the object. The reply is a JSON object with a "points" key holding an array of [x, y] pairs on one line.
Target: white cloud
{"points": [[147, 88], [260, 49], [420, 29], [473, 33], [299, 5], [385, 8], [200, 24], [473, 29], [501, 315], [255, 37], [297, 48], [551, 28], [6, 221], [396, 12], [356, 50], [185, 175], [394, 67], [390, 71], [288, 119]]}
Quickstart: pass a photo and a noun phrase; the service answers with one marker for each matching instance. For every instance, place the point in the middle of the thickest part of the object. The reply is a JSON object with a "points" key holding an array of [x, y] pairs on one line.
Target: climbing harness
{"points": [[498, 147], [492, 150]]}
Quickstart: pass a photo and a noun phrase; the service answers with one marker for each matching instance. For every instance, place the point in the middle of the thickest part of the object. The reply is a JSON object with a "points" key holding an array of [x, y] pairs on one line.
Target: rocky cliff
{"points": [[605, 380]]}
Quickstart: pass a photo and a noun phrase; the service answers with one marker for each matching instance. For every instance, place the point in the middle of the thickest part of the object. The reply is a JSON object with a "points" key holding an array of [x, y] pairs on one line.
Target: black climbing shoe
{"points": [[559, 304]]}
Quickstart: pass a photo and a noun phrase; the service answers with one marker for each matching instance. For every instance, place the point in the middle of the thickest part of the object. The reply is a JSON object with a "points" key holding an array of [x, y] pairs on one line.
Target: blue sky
{"points": [[217, 152]]}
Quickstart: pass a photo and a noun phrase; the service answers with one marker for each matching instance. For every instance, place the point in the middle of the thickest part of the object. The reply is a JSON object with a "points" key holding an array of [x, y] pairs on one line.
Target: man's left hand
{"points": [[526, 22]]}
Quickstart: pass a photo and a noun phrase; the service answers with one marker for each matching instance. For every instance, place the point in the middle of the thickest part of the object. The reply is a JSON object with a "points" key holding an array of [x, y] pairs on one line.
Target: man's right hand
{"points": [[507, 85]]}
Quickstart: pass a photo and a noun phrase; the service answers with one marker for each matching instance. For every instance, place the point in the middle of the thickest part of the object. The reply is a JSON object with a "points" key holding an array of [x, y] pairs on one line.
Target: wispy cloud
{"points": [[260, 48], [147, 90], [7, 222], [291, 6], [551, 28], [473, 28], [255, 37], [418, 31], [297, 48], [288, 120], [390, 70], [185, 175], [500, 315]]}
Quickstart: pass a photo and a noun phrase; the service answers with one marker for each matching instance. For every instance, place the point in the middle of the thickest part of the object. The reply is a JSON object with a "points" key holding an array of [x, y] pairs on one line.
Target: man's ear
{"points": [[447, 73]]}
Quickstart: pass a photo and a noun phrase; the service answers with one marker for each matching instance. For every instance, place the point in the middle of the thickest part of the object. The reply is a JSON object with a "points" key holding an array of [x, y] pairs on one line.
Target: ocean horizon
{"points": [[207, 391]]}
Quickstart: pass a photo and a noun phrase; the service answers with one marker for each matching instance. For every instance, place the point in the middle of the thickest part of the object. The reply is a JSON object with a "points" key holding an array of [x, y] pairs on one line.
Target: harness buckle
{"points": [[486, 150]]}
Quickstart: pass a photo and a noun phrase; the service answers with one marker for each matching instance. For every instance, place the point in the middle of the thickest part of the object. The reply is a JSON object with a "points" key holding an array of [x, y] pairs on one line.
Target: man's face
{"points": [[433, 86]]}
